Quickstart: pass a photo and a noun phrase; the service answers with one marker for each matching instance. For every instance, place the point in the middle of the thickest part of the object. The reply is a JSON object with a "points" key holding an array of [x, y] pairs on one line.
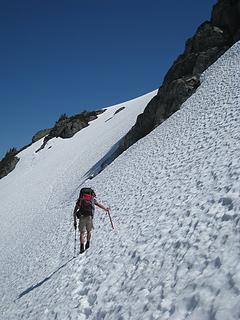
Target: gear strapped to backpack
{"points": [[85, 203]]}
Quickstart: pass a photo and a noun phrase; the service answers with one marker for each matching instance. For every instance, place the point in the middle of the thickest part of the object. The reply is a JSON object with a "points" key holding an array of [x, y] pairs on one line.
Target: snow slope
{"points": [[34, 198], [175, 200]]}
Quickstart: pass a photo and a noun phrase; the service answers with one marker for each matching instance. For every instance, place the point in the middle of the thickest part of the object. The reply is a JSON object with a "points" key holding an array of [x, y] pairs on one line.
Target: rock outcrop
{"points": [[66, 127], [40, 134], [211, 40], [119, 110], [226, 16], [8, 163]]}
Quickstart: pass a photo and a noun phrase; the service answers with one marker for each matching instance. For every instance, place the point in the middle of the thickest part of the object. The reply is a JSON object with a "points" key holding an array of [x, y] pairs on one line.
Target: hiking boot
{"points": [[81, 248], [87, 245]]}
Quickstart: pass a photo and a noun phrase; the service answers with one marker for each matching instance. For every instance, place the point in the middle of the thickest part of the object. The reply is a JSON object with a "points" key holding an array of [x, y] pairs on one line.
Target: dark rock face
{"points": [[226, 15], [40, 134], [116, 112], [201, 51], [119, 110], [8, 163], [67, 127], [211, 40]]}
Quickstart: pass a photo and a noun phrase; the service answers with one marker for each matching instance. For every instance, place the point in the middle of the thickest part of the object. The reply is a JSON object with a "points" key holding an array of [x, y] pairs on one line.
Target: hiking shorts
{"points": [[85, 223]]}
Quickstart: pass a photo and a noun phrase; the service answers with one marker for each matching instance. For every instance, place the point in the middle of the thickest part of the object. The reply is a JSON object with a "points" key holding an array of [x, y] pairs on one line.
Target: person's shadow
{"points": [[43, 281]]}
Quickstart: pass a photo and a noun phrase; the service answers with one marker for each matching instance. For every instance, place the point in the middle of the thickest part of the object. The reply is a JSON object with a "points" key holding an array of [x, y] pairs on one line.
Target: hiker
{"points": [[84, 211]]}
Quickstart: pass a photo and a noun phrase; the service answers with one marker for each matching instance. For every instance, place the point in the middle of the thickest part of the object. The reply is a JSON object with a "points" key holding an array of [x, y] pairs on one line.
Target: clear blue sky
{"points": [[63, 56]]}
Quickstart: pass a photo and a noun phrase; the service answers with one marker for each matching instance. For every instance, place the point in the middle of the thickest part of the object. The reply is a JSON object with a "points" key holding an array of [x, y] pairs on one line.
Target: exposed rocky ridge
{"points": [[211, 40], [66, 127], [226, 15], [40, 134], [8, 163]]}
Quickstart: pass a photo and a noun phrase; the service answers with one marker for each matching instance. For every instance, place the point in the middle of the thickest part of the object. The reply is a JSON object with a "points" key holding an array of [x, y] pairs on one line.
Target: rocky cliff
{"points": [[8, 163], [211, 40]]}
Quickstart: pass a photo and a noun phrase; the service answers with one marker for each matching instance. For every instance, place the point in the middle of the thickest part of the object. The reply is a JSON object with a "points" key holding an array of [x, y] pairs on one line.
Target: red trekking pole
{"points": [[108, 211]]}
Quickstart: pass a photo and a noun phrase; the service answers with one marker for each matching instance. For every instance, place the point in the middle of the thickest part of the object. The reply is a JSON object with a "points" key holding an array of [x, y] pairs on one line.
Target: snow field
{"points": [[37, 200], [175, 202]]}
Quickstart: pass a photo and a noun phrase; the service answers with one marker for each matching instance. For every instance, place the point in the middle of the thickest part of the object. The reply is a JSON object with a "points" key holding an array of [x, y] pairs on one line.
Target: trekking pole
{"points": [[110, 218], [75, 240]]}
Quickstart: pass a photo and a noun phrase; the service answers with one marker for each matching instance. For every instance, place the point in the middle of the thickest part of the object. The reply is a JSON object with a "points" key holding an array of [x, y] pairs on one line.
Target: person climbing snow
{"points": [[84, 211]]}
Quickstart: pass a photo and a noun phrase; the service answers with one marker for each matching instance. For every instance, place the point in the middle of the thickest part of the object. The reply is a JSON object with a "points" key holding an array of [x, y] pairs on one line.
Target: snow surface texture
{"points": [[37, 200], [175, 200]]}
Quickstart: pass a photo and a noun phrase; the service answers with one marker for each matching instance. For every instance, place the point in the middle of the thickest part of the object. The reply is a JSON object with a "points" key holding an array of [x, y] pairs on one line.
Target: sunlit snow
{"points": [[174, 198]]}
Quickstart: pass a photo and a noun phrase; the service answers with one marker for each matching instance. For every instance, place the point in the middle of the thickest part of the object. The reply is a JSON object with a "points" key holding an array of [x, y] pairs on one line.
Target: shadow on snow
{"points": [[109, 157], [43, 281], [98, 167]]}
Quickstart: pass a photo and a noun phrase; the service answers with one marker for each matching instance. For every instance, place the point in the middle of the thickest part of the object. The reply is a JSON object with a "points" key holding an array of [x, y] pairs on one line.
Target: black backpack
{"points": [[85, 203]]}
